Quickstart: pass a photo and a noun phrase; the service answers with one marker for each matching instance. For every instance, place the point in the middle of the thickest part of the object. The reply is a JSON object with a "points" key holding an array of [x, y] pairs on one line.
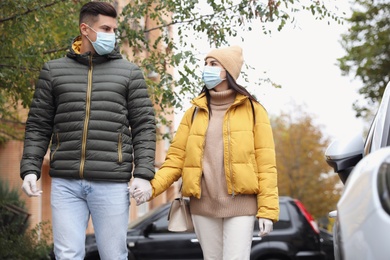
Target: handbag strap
{"points": [[181, 186]]}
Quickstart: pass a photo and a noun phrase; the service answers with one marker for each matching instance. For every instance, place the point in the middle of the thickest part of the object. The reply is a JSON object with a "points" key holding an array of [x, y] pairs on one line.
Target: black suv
{"points": [[295, 236]]}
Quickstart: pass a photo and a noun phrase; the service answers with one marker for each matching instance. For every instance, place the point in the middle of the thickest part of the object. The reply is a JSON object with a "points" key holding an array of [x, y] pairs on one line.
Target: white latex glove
{"points": [[140, 190], [29, 185], [265, 226]]}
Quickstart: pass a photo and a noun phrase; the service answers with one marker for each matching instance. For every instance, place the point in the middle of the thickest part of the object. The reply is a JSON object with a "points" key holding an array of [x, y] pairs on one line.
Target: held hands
{"points": [[29, 186], [265, 226], [140, 190]]}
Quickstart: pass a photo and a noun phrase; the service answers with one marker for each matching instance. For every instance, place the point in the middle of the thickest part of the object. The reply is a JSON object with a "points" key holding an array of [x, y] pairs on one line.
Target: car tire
{"points": [[131, 256]]}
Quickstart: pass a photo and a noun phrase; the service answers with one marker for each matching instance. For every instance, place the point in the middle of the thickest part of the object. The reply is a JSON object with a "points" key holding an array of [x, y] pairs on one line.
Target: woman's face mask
{"points": [[105, 42], [211, 76]]}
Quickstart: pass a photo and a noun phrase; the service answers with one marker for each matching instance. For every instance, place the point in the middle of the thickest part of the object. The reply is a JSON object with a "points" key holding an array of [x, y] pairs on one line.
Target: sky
{"points": [[302, 59]]}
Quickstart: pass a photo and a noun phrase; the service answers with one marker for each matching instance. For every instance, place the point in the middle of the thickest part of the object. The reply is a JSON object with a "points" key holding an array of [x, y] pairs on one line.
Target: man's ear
{"points": [[83, 29]]}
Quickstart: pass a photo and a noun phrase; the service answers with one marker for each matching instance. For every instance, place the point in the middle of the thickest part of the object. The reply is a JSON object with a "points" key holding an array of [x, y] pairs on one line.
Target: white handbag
{"points": [[179, 216]]}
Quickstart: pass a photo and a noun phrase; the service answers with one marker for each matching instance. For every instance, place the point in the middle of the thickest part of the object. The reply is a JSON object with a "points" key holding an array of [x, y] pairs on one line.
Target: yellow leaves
{"points": [[302, 170]]}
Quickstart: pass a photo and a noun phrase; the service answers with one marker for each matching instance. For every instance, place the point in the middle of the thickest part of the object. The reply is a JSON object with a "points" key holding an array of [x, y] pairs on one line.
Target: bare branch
{"points": [[55, 50], [15, 121], [185, 21], [19, 68], [9, 135], [270, 3], [30, 11]]}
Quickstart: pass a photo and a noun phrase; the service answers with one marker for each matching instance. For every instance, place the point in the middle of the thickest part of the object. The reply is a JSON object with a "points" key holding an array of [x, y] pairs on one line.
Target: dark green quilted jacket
{"points": [[97, 114]]}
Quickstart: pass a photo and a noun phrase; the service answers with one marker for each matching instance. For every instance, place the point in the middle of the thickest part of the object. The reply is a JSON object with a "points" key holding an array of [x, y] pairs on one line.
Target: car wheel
{"points": [[131, 256], [272, 258]]}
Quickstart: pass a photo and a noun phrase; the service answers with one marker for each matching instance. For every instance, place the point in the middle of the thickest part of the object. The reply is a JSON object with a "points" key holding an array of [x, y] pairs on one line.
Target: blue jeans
{"points": [[73, 201]]}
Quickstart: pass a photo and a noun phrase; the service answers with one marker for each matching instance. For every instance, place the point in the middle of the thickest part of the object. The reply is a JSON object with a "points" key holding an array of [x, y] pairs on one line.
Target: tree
{"points": [[302, 170], [367, 44], [33, 32]]}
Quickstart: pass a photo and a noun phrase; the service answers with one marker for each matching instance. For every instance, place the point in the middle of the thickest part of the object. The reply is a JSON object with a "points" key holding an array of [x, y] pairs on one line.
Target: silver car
{"points": [[363, 211]]}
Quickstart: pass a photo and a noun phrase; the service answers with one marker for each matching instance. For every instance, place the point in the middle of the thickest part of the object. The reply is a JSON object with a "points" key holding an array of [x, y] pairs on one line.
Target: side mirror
{"points": [[343, 155]]}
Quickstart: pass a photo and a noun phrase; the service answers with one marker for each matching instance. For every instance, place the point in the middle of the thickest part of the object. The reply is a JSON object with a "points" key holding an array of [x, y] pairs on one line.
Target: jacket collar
{"points": [[84, 58]]}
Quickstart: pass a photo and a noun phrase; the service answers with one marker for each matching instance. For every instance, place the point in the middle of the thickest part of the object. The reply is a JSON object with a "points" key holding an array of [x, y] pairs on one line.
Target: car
{"points": [[295, 236], [362, 211], [326, 239]]}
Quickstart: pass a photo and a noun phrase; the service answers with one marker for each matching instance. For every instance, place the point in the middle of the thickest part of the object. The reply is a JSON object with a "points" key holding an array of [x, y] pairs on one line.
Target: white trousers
{"points": [[224, 238]]}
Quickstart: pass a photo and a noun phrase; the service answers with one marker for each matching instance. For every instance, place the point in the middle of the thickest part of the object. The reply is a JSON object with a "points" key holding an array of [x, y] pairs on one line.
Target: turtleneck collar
{"points": [[222, 97]]}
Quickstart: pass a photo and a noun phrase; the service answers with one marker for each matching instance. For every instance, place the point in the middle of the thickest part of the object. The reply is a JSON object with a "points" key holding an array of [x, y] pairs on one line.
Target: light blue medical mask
{"points": [[105, 42], [211, 76]]}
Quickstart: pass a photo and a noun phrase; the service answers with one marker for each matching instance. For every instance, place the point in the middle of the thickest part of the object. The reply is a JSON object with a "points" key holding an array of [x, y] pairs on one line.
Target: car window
{"points": [[161, 225], [378, 135], [284, 219], [139, 220], [368, 143]]}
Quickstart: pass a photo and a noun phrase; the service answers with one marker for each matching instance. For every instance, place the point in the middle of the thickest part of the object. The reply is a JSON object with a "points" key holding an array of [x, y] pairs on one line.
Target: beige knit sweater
{"points": [[215, 200]]}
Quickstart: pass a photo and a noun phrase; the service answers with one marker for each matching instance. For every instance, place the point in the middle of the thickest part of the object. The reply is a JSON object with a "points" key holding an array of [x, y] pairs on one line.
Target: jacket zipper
{"points": [[86, 119], [201, 156], [230, 154]]}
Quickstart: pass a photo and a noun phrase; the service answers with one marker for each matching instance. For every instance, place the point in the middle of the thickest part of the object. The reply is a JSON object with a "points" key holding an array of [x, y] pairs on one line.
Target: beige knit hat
{"points": [[230, 58]]}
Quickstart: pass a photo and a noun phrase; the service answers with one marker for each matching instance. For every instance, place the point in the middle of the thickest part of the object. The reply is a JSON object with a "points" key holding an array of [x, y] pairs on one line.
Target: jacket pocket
{"points": [[120, 145], [254, 163], [57, 145]]}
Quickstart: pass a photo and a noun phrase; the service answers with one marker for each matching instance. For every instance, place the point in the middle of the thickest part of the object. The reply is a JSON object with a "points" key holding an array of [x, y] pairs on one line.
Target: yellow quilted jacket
{"points": [[249, 154]]}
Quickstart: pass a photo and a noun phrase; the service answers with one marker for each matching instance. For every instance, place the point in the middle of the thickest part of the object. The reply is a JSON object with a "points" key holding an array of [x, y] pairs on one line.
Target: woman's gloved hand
{"points": [[265, 226]]}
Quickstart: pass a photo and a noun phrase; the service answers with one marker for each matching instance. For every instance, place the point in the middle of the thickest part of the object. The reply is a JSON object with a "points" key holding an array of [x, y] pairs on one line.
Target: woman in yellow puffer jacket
{"points": [[224, 152]]}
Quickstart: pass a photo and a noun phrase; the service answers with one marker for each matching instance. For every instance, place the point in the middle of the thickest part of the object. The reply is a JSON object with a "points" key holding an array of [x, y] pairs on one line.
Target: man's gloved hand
{"points": [[265, 226], [140, 190], [29, 185]]}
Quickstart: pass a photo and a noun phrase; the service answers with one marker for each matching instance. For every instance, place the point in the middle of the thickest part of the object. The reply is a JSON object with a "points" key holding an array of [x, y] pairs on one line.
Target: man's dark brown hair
{"points": [[90, 11]]}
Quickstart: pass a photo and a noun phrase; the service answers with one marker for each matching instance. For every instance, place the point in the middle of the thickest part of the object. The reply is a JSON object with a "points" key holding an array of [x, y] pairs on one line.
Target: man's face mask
{"points": [[211, 76], [105, 42]]}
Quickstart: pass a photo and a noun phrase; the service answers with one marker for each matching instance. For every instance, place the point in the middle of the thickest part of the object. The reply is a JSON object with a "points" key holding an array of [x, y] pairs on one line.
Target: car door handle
{"points": [[194, 240], [256, 238]]}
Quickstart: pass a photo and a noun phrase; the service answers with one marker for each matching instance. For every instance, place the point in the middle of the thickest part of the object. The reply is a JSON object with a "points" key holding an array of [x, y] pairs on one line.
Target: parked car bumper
{"points": [[310, 255]]}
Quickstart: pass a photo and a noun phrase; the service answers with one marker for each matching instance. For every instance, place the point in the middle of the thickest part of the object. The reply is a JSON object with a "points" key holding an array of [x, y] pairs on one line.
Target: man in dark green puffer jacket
{"points": [[94, 108]]}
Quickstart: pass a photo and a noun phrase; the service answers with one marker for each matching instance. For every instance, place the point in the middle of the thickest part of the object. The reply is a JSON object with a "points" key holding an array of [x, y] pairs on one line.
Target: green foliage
{"points": [[33, 32], [32, 244], [367, 44], [16, 242], [12, 209]]}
